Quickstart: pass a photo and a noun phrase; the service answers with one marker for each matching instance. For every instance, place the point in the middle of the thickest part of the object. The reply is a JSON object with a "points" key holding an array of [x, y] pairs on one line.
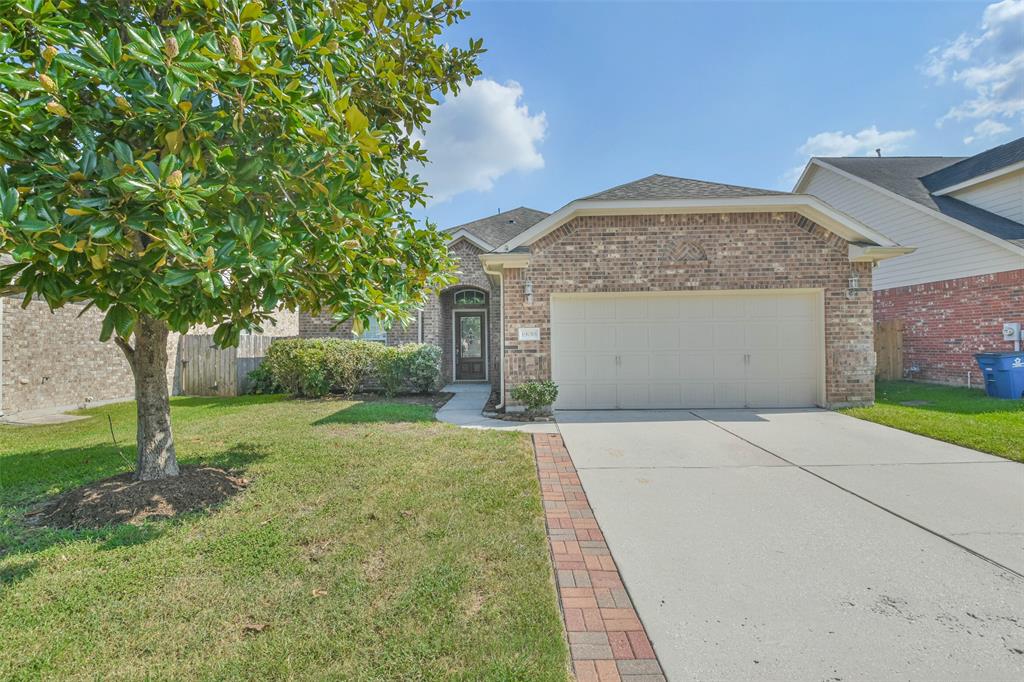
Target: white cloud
{"points": [[987, 128], [989, 63], [477, 137], [862, 142], [839, 143]]}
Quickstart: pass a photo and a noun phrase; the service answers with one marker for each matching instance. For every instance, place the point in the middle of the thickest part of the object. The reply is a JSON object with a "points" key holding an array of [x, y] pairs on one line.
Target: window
{"points": [[374, 332], [469, 297]]}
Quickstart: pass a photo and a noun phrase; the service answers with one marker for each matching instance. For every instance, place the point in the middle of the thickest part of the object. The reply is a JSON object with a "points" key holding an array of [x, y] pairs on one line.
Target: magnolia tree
{"points": [[185, 162]]}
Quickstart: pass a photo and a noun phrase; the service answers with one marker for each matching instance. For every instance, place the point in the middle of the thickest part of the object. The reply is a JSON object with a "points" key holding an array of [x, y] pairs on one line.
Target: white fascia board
{"points": [[804, 177], [924, 209], [991, 175], [499, 261], [809, 206], [469, 237], [872, 254]]}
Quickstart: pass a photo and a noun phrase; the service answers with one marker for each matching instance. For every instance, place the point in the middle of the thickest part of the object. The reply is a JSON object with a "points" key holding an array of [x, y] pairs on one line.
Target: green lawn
{"points": [[957, 415], [373, 544]]}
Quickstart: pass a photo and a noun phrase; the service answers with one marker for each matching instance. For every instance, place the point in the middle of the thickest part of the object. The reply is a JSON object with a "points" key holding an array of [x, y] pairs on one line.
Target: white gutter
{"points": [[873, 254]]}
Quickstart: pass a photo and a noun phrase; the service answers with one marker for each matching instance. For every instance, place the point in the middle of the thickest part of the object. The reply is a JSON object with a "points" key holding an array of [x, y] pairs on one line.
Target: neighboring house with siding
{"points": [[966, 218]]}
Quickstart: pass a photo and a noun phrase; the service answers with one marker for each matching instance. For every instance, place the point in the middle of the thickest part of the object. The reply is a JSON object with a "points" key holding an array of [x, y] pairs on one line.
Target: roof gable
{"points": [[489, 232], [671, 187]]}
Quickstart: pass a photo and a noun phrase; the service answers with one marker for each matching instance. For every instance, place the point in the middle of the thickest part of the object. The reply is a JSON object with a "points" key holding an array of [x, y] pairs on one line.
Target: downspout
{"points": [[419, 325]]}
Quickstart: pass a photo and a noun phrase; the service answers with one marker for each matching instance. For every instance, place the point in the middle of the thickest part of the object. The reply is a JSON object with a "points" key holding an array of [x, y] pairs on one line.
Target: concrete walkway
{"points": [[466, 407], [808, 545]]}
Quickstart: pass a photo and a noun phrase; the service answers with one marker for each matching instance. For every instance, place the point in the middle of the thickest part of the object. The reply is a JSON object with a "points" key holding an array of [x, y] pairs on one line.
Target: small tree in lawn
{"points": [[209, 161]]}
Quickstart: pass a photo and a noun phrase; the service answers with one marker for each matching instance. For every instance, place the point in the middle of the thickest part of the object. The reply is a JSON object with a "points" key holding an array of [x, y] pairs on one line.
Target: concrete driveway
{"points": [[808, 545]]}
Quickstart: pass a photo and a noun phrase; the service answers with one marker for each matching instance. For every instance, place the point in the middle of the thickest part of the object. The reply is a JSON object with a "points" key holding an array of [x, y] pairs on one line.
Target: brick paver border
{"points": [[607, 641]]}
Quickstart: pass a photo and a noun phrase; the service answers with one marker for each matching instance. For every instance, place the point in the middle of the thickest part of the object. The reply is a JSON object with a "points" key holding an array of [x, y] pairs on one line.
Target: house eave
{"points": [[809, 206], [469, 237], [862, 253], [495, 262]]}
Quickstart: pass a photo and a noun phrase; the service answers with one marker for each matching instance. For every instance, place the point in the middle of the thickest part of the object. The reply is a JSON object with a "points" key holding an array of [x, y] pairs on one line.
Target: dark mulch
{"points": [[122, 499]]}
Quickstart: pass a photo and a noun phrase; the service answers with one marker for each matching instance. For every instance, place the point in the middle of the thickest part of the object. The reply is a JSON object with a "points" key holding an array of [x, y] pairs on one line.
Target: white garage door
{"points": [[745, 349]]}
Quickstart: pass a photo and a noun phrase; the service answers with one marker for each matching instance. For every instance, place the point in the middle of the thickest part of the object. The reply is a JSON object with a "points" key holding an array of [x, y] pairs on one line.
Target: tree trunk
{"points": [[155, 456]]}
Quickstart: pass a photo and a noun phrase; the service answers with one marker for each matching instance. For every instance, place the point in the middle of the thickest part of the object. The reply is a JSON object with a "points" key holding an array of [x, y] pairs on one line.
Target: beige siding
{"points": [[1004, 196], [944, 251]]}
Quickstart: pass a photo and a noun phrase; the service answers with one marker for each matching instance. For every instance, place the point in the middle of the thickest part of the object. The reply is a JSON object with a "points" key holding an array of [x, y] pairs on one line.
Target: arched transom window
{"points": [[469, 297]]}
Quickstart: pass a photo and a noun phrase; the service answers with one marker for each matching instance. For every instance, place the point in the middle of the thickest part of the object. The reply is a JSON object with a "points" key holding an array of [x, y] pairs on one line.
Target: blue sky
{"points": [[580, 96]]}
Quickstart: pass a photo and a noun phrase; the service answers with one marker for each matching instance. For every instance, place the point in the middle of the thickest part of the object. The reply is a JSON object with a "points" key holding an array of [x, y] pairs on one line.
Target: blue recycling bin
{"points": [[1004, 374]]}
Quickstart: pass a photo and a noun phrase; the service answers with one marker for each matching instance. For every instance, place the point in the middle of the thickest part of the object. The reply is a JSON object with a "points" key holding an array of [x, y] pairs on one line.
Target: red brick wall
{"points": [[744, 251], [945, 323]]}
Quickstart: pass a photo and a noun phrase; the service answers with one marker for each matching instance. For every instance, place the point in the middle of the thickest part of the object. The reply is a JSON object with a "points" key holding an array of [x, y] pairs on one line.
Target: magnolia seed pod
{"points": [[122, 103], [55, 108], [388, 261], [236, 49], [174, 179], [48, 84], [171, 47], [351, 243], [48, 54]]}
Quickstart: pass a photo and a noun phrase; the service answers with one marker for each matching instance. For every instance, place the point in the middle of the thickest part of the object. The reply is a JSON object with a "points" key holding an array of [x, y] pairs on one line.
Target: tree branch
{"points": [[129, 352]]}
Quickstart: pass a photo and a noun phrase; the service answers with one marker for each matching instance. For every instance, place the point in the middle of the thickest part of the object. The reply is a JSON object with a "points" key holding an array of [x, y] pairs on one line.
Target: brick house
{"points": [[966, 278], [663, 292], [54, 360]]}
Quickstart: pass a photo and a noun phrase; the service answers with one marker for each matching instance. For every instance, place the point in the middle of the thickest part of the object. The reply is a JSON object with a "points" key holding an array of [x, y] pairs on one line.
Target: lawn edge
{"points": [[607, 640]]}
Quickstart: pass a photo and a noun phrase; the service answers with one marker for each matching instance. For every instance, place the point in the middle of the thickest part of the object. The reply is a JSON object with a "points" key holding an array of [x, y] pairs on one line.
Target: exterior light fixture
{"points": [[528, 290]]}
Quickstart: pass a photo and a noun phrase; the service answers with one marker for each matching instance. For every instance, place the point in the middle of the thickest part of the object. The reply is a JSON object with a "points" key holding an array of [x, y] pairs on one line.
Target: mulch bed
{"points": [[435, 400], [122, 499]]}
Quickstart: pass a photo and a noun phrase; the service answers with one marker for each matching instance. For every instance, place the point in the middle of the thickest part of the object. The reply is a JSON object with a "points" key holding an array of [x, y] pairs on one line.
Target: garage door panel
{"points": [[762, 335], [666, 395], [633, 396], [600, 337], [664, 337], [666, 366], [695, 336], [601, 397], [635, 367], [730, 394], [570, 368], [730, 335], [687, 350], [698, 393], [697, 366], [696, 308], [629, 337], [598, 309]]}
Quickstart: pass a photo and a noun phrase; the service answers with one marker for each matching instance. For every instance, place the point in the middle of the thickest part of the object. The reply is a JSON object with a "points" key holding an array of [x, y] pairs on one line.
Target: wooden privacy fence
{"points": [[889, 349], [209, 370]]}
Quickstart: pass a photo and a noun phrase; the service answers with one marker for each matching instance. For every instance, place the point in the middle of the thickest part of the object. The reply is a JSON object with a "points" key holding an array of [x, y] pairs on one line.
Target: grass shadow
{"points": [[226, 402], [19, 538], [379, 412]]}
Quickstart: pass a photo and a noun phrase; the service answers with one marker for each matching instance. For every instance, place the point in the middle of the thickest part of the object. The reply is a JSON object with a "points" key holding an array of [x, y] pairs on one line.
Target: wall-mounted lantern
{"points": [[528, 290]]}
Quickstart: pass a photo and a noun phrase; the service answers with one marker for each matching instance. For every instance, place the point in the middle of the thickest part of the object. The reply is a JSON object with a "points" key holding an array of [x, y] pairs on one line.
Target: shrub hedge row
{"points": [[315, 367]]}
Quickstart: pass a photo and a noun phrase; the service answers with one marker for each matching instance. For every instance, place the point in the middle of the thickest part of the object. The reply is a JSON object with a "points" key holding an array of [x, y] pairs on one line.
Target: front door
{"points": [[470, 346]]}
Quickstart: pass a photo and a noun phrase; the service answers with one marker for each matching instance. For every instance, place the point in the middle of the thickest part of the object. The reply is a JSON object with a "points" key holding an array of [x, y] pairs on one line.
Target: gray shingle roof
{"points": [[979, 164], [902, 175], [501, 227], [655, 187]]}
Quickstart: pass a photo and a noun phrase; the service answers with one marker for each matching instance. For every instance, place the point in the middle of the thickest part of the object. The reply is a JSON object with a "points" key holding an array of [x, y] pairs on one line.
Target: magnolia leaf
{"points": [[251, 11], [356, 120]]}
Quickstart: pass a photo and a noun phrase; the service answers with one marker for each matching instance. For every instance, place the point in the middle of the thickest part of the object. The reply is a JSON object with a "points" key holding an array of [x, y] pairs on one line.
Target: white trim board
{"points": [[469, 237], [809, 206], [1013, 248]]}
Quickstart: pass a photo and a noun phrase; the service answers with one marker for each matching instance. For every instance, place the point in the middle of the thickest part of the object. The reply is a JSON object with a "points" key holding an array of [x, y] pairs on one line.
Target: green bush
{"points": [[262, 381], [424, 368], [315, 367], [536, 395]]}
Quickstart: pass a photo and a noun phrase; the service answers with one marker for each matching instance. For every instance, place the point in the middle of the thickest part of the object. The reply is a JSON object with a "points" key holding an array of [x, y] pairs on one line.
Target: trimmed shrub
{"points": [[536, 395], [315, 367], [424, 368]]}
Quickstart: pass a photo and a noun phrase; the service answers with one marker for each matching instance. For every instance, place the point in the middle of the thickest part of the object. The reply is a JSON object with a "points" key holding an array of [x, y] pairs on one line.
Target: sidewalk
{"points": [[465, 407]]}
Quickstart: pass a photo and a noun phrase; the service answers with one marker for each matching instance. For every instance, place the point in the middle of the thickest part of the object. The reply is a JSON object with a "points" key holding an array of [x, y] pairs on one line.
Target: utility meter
{"points": [[1011, 331]]}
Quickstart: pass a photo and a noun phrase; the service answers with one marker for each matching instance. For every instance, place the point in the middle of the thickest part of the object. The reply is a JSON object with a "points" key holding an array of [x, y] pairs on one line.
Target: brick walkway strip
{"points": [[607, 641]]}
